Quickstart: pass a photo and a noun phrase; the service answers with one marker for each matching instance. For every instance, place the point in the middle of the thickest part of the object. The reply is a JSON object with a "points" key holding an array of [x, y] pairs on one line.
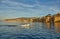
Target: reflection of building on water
{"points": [[48, 25], [57, 26]]}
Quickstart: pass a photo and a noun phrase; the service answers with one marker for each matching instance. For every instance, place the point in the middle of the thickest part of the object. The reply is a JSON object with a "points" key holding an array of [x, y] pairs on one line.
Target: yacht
{"points": [[25, 25]]}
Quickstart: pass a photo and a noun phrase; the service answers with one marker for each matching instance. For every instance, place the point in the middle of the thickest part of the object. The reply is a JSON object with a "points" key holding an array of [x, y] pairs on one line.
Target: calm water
{"points": [[33, 31]]}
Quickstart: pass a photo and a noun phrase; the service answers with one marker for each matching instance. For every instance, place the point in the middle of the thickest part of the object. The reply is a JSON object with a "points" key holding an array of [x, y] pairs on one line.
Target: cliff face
{"points": [[47, 19], [10, 20], [24, 20], [57, 18], [19, 20], [51, 18]]}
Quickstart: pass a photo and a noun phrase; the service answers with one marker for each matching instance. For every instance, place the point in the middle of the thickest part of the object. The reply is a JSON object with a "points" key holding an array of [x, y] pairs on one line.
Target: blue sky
{"points": [[28, 8]]}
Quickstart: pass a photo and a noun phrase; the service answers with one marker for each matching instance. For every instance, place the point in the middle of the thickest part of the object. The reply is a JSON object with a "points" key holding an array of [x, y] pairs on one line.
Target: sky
{"points": [[28, 8]]}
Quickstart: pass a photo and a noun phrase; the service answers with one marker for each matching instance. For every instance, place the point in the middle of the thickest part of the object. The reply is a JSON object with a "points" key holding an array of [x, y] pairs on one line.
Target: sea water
{"points": [[34, 31]]}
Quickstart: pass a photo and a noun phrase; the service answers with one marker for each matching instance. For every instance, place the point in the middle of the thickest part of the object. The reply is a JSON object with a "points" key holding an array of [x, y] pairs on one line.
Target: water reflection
{"points": [[31, 31], [48, 25], [53, 26], [57, 27]]}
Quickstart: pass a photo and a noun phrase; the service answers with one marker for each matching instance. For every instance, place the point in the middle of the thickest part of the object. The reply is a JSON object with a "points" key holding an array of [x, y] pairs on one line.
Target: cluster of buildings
{"points": [[51, 18], [48, 18]]}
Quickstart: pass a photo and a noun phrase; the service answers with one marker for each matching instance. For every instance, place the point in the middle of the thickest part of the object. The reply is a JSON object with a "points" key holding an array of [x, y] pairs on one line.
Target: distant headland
{"points": [[48, 18]]}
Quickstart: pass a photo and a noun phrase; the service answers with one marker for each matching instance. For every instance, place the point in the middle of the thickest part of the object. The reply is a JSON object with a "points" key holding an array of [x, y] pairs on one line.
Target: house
{"points": [[57, 17], [48, 18]]}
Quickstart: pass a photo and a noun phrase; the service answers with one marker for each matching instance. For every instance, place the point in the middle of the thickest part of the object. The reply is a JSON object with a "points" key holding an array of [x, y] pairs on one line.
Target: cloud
{"points": [[19, 9], [7, 4], [55, 9], [15, 4]]}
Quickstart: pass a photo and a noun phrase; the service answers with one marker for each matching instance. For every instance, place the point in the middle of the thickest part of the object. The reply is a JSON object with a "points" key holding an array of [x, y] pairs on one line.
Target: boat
{"points": [[26, 25]]}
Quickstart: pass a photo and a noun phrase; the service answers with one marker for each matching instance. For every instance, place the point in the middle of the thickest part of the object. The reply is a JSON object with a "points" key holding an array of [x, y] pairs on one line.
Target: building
{"points": [[46, 19], [57, 17]]}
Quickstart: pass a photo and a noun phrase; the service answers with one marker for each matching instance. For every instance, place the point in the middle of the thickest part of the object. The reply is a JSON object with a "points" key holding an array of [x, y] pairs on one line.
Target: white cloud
{"points": [[16, 4], [55, 9], [17, 9]]}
